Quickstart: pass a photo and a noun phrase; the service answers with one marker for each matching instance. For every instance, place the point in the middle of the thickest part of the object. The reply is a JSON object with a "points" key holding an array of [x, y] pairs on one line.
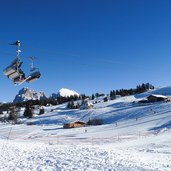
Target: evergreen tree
{"points": [[42, 111], [28, 112], [13, 114], [105, 99], [97, 95], [71, 105], [112, 95], [92, 97]]}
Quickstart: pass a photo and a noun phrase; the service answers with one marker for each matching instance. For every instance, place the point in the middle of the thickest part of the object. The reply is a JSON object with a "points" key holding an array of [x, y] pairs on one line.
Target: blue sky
{"points": [[87, 45]]}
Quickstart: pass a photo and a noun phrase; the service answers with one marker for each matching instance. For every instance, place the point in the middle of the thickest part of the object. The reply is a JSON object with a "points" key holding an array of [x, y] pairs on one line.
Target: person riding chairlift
{"points": [[20, 78]]}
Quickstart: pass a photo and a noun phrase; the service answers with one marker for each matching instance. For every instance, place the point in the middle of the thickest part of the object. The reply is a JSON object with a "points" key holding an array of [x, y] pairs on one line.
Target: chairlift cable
{"points": [[104, 61]]}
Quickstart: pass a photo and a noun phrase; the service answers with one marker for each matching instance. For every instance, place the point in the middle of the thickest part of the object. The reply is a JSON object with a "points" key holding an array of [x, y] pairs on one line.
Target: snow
{"points": [[133, 137], [165, 91], [64, 92], [143, 154], [57, 157], [157, 95]]}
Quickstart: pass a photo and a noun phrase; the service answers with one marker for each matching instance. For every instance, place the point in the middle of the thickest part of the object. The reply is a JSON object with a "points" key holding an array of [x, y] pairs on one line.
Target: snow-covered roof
{"points": [[159, 96]]}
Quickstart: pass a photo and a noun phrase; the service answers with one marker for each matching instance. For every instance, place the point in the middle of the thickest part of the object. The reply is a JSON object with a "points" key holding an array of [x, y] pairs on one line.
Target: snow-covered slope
{"points": [[166, 91], [163, 91], [123, 111], [26, 94], [134, 137], [140, 154], [64, 92]]}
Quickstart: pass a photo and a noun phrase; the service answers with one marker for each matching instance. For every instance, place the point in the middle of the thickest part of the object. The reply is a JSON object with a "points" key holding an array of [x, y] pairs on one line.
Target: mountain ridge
{"points": [[26, 94]]}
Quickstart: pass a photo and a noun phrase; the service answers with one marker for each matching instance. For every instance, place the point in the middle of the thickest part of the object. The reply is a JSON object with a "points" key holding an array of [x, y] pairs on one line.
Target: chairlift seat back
{"points": [[34, 76], [14, 75], [9, 70]]}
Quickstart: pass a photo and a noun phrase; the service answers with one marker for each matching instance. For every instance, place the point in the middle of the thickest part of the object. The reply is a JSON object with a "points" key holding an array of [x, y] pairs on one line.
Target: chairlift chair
{"points": [[34, 72], [34, 75], [19, 79], [9, 70], [12, 70]]}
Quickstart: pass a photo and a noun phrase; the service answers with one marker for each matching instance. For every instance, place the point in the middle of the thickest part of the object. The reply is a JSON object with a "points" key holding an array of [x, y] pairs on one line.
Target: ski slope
{"points": [[133, 137]]}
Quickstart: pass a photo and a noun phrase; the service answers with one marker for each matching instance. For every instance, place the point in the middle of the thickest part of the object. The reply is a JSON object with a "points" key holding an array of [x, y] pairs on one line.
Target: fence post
{"points": [[57, 140], [139, 134], [9, 134]]}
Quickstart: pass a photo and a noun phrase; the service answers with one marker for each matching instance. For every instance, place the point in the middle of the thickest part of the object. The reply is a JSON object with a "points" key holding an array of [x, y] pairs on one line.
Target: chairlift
{"points": [[16, 74], [34, 72], [13, 71]]}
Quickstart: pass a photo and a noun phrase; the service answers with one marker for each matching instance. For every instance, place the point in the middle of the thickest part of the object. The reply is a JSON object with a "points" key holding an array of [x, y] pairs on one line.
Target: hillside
{"points": [[166, 91], [122, 111], [133, 137]]}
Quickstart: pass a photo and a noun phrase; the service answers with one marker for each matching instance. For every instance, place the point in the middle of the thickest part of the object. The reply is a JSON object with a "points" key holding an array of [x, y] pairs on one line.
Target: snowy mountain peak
{"points": [[26, 94], [64, 92]]}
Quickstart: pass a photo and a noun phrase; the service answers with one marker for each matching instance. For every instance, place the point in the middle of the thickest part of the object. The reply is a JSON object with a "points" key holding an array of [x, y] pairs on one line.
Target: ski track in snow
{"points": [[143, 154], [39, 157]]}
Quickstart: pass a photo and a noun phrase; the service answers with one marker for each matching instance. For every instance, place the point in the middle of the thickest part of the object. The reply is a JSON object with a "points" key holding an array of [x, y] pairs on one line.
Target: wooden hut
{"points": [[156, 98], [74, 124]]}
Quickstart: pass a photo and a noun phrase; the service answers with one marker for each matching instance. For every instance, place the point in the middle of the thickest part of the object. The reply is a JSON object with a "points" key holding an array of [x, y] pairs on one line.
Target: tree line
{"points": [[126, 92], [44, 102]]}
